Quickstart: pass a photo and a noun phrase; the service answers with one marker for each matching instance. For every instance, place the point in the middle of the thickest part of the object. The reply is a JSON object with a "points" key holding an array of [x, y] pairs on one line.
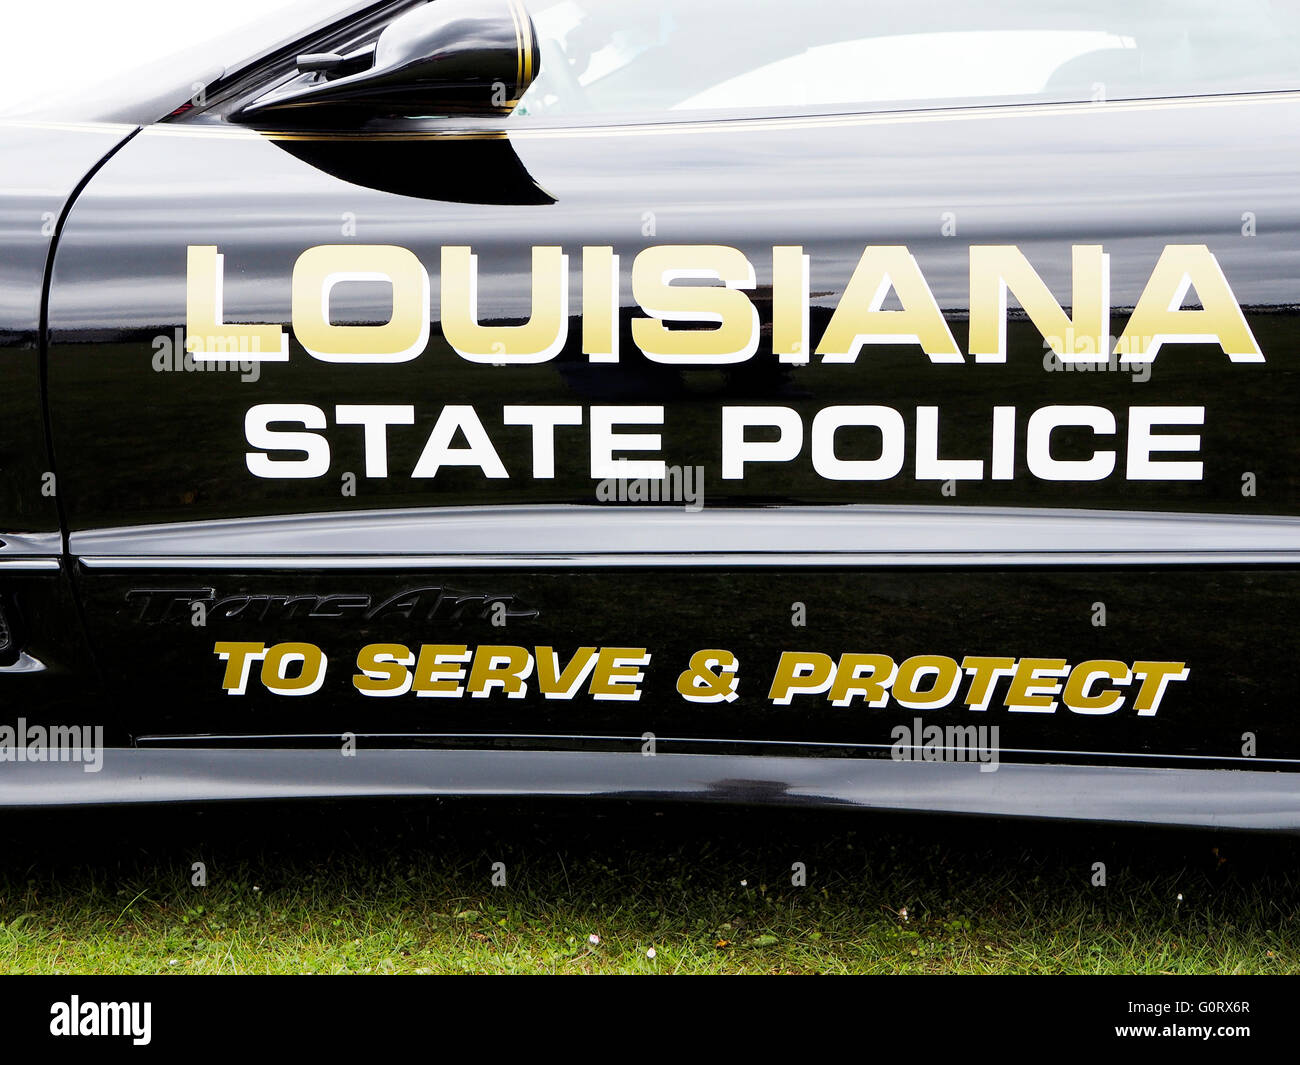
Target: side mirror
{"points": [[445, 57]]}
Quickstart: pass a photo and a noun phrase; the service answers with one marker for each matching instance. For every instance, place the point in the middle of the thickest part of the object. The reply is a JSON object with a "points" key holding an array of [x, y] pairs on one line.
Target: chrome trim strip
{"points": [[1224, 798], [433, 562], [595, 535], [541, 740], [24, 663], [30, 544], [28, 565]]}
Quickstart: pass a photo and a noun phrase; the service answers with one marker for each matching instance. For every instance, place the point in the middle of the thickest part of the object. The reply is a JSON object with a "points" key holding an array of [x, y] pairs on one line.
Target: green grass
{"points": [[397, 887]]}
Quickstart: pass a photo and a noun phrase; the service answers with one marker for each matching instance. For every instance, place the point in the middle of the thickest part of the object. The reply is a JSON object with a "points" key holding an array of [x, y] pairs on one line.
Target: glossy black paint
{"points": [[1170, 174], [50, 676], [447, 171], [137, 446], [434, 59], [40, 168], [56, 681], [1224, 799], [1226, 624]]}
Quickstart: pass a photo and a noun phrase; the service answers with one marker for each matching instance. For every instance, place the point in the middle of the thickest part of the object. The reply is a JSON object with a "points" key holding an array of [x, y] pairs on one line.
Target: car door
{"points": [[591, 501]]}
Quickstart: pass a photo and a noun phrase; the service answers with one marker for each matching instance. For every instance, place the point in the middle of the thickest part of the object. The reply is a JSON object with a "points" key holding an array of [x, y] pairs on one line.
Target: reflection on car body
{"points": [[675, 399]]}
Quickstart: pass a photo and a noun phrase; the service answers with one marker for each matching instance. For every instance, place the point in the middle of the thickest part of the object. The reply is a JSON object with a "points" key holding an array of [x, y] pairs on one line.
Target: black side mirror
{"points": [[446, 57]]}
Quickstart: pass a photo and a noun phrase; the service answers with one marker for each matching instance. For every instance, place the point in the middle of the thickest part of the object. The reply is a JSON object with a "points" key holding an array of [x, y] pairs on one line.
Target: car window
{"points": [[136, 61], [603, 57]]}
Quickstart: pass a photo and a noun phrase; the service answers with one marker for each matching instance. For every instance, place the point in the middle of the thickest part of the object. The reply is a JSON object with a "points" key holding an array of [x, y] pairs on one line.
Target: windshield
{"points": [[136, 61]]}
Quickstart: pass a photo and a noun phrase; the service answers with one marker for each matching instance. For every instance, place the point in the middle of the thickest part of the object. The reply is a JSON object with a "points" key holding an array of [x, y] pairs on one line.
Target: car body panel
{"points": [[47, 674], [177, 555], [41, 168], [1250, 801]]}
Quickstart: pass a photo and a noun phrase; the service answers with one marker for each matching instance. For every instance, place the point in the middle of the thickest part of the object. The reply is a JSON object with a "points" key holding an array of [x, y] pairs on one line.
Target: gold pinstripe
{"points": [[519, 47]]}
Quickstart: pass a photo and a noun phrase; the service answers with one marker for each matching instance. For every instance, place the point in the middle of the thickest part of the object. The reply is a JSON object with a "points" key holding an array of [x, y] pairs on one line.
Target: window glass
{"points": [[655, 56], [135, 61]]}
